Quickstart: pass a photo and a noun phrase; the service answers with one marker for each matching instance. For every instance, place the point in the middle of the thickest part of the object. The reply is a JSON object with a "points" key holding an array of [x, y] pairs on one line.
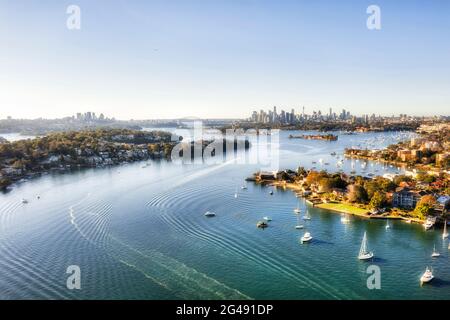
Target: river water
{"points": [[141, 233]]}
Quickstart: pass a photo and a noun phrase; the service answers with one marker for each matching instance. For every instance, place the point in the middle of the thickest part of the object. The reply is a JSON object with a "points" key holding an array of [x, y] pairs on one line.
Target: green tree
{"points": [[357, 194], [378, 200], [425, 206]]}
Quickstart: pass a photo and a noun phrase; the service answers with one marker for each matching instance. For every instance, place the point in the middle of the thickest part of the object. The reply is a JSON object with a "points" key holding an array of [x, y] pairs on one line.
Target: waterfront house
{"points": [[403, 197], [443, 203]]}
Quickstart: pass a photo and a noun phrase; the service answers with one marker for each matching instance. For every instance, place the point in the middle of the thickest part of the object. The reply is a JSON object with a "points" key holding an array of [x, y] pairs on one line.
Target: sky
{"points": [[223, 58]]}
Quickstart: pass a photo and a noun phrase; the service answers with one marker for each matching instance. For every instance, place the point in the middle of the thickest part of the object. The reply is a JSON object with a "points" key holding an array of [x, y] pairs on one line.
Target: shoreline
{"points": [[340, 207]]}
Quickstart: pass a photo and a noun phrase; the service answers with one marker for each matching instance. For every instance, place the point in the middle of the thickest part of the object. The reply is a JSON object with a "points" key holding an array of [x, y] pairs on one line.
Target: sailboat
{"points": [[364, 254], [435, 253], [307, 216], [298, 226], [345, 219], [236, 193], [387, 224], [297, 210], [445, 233]]}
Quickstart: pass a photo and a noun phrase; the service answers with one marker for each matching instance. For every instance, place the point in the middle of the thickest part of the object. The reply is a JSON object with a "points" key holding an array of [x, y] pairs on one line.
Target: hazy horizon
{"points": [[223, 59]]}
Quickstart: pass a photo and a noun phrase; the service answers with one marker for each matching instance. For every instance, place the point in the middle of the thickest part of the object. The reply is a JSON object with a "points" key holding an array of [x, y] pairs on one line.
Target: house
{"points": [[443, 203], [404, 197]]}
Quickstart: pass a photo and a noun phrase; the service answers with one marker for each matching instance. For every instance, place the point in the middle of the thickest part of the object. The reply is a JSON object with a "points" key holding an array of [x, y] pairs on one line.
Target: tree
{"points": [[4, 182], [357, 193], [425, 206], [378, 200]]}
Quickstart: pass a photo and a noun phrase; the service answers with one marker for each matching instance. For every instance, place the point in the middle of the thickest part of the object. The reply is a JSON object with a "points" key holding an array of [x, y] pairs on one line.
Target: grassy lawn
{"points": [[342, 207]]}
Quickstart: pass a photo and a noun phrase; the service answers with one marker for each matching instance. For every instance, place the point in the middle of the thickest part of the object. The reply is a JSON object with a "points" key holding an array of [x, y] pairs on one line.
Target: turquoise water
{"points": [[140, 233]]}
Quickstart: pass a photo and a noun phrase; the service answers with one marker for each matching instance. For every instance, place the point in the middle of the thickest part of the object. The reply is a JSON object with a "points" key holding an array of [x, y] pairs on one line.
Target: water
{"points": [[140, 233], [12, 137]]}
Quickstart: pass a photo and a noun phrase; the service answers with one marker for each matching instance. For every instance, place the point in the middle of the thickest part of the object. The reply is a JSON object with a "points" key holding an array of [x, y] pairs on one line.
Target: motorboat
{"points": [[427, 276], [267, 218], [262, 224], [429, 223], [209, 214], [306, 237]]}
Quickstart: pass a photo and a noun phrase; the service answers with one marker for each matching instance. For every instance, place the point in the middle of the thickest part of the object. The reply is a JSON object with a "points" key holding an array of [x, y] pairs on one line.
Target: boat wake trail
{"points": [[91, 222]]}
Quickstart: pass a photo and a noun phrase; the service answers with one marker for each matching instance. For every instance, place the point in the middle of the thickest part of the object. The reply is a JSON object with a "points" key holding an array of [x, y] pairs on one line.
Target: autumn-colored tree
{"points": [[425, 206]]}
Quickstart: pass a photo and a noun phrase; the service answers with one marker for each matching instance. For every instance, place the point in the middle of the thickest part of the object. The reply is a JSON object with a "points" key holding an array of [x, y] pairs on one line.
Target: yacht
{"points": [[435, 253], [427, 276], [209, 214], [306, 237], [364, 253]]}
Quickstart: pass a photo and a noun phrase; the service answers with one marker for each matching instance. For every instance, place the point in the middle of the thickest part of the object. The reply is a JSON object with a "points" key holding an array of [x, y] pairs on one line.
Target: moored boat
{"points": [[364, 253], [427, 276]]}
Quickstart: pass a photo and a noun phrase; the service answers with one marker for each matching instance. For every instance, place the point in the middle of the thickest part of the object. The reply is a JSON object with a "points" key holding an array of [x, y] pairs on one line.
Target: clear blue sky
{"points": [[223, 58]]}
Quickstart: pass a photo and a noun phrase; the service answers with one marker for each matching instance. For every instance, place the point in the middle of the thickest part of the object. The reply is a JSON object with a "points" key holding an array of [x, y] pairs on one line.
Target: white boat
{"points": [[297, 210], [306, 237], [445, 233], [271, 192], [267, 218], [387, 225], [429, 223], [236, 193], [244, 187], [307, 216], [345, 219], [435, 253], [209, 214], [408, 221], [427, 276], [364, 253], [299, 225], [24, 201]]}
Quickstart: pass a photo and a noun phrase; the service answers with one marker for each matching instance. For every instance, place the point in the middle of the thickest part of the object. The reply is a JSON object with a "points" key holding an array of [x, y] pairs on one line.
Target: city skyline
{"points": [[223, 59]]}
